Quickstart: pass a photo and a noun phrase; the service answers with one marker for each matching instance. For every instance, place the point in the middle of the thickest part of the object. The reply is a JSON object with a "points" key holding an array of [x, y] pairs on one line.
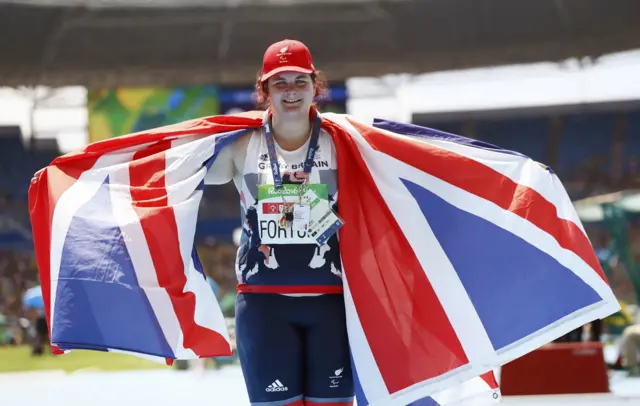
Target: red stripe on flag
{"points": [[490, 379], [44, 193], [488, 184], [149, 196], [203, 126], [381, 267]]}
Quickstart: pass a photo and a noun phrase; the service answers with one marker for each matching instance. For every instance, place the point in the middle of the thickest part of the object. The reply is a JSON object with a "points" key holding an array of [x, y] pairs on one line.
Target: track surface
{"points": [[216, 388]]}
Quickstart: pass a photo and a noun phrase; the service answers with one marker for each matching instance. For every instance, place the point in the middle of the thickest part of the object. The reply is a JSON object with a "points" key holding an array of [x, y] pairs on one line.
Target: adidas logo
{"points": [[277, 386]]}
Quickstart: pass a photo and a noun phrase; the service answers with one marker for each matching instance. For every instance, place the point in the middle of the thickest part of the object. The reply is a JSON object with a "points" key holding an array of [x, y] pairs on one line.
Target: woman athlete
{"points": [[290, 318]]}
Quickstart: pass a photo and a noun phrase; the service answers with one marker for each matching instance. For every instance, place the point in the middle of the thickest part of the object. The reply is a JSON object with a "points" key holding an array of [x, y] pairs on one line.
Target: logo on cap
{"points": [[283, 55]]}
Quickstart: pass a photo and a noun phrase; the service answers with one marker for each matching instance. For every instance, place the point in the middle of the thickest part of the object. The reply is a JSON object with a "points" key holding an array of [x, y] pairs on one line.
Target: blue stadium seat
{"points": [[527, 136], [632, 147], [18, 164], [11, 158], [586, 138]]}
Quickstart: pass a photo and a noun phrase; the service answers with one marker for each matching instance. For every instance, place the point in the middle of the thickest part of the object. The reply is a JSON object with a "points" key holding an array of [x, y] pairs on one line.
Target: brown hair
{"points": [[261, 92]]}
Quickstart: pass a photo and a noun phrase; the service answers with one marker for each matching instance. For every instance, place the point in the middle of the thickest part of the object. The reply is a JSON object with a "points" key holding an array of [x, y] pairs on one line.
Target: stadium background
{"points": [[142, 64]]}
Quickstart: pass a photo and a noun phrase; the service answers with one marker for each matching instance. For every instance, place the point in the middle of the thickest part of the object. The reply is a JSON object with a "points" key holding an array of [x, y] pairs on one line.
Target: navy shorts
{"points": [[294, 350]]}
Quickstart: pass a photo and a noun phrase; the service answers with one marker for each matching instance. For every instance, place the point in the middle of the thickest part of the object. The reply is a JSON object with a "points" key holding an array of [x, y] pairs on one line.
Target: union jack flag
{"points": [[458, 256]]}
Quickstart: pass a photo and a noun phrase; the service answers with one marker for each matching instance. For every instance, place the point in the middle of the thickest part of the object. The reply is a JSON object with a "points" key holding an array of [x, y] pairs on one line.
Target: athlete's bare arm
{"points": [[229, 163]]}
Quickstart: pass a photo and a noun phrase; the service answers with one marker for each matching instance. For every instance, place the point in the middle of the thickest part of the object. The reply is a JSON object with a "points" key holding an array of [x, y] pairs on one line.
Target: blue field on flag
{"points": [[489, 261]]}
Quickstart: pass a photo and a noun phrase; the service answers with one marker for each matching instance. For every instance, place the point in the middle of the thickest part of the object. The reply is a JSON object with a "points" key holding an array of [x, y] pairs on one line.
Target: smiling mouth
{"points": [[292, 101]]}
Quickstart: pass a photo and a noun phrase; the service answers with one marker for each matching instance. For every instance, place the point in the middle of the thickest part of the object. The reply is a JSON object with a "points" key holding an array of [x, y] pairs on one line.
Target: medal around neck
{"points": [[295, 213]]}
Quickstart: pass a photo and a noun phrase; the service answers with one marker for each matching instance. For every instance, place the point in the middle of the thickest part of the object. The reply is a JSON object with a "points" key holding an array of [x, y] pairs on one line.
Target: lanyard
{"points": [[273, 156]]}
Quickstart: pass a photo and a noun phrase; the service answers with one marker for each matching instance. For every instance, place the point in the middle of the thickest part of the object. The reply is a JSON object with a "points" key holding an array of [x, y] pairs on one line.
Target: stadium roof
{"points": [[98, 43]]}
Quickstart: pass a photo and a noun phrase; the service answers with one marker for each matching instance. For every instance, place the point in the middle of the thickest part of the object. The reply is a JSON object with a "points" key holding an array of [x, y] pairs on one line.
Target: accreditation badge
{"points": [[294, 215]]}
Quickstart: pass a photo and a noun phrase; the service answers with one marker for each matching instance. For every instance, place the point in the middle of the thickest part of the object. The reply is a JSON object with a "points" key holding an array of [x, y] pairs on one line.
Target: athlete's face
{"points": [[291, 94]]}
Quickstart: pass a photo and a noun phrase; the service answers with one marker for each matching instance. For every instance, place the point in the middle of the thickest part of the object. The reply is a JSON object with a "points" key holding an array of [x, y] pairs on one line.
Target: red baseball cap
{"points": [[286, 56]]}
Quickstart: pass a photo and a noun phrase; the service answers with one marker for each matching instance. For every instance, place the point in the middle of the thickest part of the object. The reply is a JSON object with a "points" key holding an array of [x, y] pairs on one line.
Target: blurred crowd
{"points": [[18, 272], [218, 263]]}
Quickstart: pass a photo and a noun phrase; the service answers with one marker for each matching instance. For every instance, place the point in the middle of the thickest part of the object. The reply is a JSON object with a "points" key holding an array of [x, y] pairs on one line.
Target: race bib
{"points": [[310, 219]]}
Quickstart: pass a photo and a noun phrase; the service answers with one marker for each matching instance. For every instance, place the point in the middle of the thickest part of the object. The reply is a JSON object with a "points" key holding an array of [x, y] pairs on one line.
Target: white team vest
{"points": [[250, 262], [257, 168]]}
